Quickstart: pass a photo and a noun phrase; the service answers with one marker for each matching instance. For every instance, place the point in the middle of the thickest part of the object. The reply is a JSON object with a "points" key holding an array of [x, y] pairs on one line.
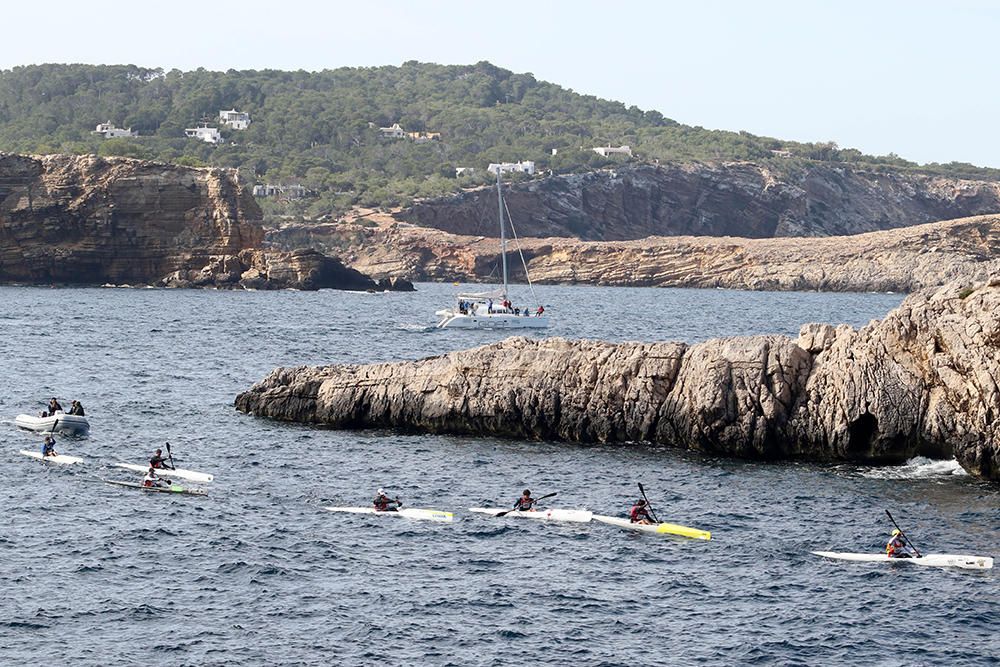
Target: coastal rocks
{"points": [[923, 381], [91, 220], [740, 199]]}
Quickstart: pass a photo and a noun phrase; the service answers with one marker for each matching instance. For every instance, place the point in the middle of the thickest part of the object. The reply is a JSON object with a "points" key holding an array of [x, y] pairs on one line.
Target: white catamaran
{"points": [[493, 310]]}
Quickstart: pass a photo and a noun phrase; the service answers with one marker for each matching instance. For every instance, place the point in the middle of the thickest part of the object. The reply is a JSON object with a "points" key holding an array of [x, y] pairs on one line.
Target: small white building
{"points": [[525, 167], [109, 131], [781, 153], [605, 151], [394, 131], [459, 171], [238, 120], [209, 135], [295, 191]]}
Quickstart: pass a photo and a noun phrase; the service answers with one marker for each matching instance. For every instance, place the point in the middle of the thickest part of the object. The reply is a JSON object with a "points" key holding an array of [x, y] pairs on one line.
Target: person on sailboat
{"points": [[384, 503], [541, 309], [160, 461], [640, 513], [525, 503], [49, 446], [151, 479], [896, 547]]}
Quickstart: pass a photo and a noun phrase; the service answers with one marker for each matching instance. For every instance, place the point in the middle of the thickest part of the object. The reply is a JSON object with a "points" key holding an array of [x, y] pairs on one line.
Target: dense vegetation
{"points": [[320, 129]]}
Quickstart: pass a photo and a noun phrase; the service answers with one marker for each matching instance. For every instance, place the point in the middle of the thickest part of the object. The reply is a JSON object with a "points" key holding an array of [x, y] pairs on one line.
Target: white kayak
{"points": [[577, 516], [58, 458], [176, 473], [406, 513], [932, 560], [657, 528], [60, 423], [173, 488]]}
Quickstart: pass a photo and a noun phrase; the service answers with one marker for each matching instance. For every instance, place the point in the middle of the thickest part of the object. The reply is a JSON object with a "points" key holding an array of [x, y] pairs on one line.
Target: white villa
{"points": [[394, 131], [459, 171], [526, 167], [281, 191], [605, 151], [207, 134], [110, 131], [238, 120]]}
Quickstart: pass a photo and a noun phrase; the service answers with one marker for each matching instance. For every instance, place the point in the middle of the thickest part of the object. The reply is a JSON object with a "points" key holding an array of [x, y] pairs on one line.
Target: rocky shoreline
{"points": [[922, 381]]}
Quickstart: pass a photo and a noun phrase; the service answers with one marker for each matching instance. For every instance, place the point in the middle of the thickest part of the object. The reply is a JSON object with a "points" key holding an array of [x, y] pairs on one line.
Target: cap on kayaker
{"points": [[895, 532], [381, 492]]}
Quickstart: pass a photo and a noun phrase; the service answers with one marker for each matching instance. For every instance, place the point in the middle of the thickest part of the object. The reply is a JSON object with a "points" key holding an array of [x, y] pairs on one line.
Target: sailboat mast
{"points": [[503, 236]]}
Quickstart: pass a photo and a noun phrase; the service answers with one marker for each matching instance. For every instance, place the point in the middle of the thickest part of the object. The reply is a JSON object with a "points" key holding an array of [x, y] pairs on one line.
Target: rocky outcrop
{"points": [[740, 199], [90, 220], [922, 381], [899, 260]]}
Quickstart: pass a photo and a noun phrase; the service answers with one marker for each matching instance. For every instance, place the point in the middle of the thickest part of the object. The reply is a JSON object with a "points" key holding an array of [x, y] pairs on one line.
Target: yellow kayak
{"points": [[659, 528]]}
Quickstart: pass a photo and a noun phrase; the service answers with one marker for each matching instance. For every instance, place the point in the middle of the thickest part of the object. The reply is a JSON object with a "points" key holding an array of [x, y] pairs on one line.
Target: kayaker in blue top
{"points": [[525, 503], [49, 446], [897, 547], [384, 503], [639, 513]]}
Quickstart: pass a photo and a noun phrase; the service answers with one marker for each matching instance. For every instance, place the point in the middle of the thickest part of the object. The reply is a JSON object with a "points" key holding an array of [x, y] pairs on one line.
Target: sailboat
{"points": [[493, 310]]}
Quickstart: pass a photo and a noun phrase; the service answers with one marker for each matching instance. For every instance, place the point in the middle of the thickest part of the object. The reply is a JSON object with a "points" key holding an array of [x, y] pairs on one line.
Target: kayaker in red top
{"points": [[639, 513], [525, 503], [384, 503], [896, 547]]}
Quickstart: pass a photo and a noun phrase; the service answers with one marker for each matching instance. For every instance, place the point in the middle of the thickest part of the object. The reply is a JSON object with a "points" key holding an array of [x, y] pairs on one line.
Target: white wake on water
{"points": [[919, 467]]}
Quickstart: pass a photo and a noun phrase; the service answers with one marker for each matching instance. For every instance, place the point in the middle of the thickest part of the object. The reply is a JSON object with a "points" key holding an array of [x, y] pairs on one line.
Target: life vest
{"points": [[524, 503], [893, 546]]}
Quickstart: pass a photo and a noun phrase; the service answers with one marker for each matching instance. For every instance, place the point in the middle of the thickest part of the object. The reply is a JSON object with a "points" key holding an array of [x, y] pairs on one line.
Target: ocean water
{"points": [[257, 573]]}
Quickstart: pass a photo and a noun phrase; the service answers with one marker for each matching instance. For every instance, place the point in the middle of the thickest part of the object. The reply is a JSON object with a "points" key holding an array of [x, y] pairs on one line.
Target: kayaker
{"points": [[151, 479], [159, 461], [384, 503], [896, 547], [54, 407], [525, 503], [76, 408], [49, 446], [640, 513]]}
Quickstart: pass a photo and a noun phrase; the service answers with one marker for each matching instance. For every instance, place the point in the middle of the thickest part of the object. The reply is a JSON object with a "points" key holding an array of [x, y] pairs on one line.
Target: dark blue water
{"points": [[258, 574]]}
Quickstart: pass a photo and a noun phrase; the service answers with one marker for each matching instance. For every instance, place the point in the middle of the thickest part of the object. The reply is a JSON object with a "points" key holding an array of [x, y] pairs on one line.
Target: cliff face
{"points": [[726, 199], [922, 381], [90, 220], [899, 260]]}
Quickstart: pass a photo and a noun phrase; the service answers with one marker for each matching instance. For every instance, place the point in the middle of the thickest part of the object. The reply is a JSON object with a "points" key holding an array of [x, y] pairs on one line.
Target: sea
{"points": [[258, 573]]}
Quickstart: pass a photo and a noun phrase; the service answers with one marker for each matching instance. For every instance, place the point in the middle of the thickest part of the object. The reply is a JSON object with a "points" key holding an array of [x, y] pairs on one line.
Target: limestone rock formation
{"points": [[91, 220], [922, 381]]}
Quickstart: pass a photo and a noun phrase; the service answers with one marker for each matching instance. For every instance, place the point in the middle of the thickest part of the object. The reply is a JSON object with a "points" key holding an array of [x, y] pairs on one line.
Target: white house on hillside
{"points": [[209, 135], [526, 167], [605, 151], [238, 120], [110, 131], [394, 131]]}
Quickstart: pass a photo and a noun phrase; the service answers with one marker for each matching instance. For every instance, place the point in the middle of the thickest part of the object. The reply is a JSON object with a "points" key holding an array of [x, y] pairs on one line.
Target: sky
{"points": [[914, 78]]}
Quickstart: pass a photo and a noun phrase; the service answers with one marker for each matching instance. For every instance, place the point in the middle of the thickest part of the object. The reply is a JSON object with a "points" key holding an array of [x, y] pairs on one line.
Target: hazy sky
{"points": [[915, 78]]}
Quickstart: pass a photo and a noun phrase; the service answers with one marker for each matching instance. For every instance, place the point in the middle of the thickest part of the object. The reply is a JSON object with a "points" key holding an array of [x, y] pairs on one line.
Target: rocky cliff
{"points": [[725, 199], [899, 260], [91, 220], [922, 381]]}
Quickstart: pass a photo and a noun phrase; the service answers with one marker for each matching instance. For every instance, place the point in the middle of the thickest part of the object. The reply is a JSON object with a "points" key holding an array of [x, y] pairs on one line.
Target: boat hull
{"points": [[178, 473], [59, 458], [414, 513], [656, 528], [173, 488], [555, 514], [931, 560], [452, 320], [62, 423]]}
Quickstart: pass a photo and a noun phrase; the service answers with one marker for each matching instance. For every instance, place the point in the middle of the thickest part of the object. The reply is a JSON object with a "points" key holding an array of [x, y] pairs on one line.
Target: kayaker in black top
{"points": [[49, 446], [159, 461], [639, 513], [76, 408], [525, 503], [384, 503], [54, 407]]}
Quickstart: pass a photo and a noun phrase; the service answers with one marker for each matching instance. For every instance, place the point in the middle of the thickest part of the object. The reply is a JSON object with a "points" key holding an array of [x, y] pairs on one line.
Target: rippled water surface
{"points": [[258, 574]]}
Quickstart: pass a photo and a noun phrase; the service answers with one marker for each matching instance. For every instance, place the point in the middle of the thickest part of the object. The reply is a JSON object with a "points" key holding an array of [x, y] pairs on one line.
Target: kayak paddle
{"points": [[648, 505], [902, 533], [171, 455], [499, 514]]}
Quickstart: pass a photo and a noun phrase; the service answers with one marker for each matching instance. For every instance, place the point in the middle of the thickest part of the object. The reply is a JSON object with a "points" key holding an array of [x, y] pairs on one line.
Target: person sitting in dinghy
{"points": [[76, 408], [640, 513], [384, 503], [151, 479], [49, 446], [897, 547], [525, 503], [159, 461], [54, 407]]}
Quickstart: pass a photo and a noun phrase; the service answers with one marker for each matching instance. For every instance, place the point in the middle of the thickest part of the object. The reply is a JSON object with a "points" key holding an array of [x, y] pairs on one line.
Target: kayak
{"points": [[932, 560], [406, 513], [659, 528], [58, 458], [178, 473], [577, 516], [60, 423], [173, 488]]}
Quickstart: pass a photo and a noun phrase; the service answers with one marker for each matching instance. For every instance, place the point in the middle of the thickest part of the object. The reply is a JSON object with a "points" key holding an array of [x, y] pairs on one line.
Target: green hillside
{"points": [[320, 129]]}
